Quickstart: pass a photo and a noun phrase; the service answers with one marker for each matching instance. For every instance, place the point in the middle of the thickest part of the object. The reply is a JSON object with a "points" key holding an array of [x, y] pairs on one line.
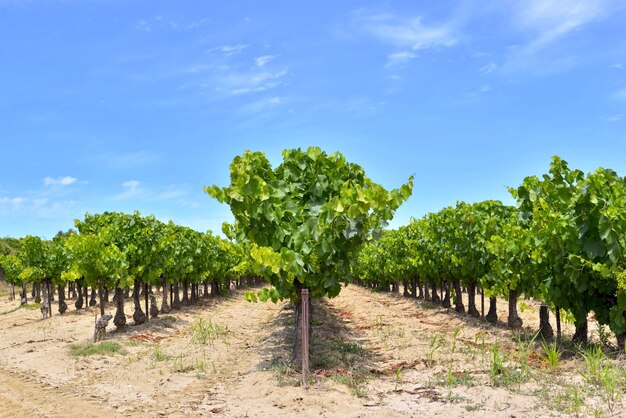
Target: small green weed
{"points": [[570, 401], [350, 348], [159, 355], [89, 349], [206, 331], [553, 355], [594, 360]]}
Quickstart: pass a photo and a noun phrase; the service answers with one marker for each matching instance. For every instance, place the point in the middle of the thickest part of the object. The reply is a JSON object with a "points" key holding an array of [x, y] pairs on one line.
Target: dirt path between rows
{"points": [[373, 355], [23, 396]]}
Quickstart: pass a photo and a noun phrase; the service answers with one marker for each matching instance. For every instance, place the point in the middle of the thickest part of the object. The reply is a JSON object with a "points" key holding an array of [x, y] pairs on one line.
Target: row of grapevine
{"points": [[304, 221], [118, 251], [563, 245]]}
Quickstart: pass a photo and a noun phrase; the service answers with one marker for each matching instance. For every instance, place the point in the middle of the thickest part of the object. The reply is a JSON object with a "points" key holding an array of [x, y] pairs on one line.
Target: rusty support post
{"points": [[304, 332]]}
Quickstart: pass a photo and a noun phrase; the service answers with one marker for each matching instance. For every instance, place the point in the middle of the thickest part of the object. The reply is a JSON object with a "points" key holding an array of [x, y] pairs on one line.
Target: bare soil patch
{"points": [[372, 355]]}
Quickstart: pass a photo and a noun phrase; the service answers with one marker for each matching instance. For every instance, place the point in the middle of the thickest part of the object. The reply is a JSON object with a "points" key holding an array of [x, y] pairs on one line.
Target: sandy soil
{"points": [[373, 355]]}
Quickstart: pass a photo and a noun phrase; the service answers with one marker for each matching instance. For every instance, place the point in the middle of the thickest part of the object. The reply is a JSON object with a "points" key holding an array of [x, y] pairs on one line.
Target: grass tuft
{"points": [[206, 331], [89, 349]]}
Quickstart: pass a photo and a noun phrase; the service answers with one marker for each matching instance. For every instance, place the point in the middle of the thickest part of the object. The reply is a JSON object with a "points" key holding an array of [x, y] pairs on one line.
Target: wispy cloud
{"points": [[263, 105], [406, 32], [399, 58], [59, 181], [173, 192], [182, 26], [37, 207], [615, 118], [621, 94], [198, 68], [161, 23], [489, 68], [262, 61], [551, 20], [244, 83], [545, 23], [229, 49], [143, 26], [131, 189], [14, 202]]}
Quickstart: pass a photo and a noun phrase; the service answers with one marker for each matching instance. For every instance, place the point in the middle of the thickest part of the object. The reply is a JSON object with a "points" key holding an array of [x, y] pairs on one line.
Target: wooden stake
{"points": [[304, 329]]}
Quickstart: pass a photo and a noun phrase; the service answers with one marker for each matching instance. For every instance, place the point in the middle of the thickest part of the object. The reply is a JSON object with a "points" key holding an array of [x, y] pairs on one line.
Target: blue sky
{"points": [[123, 105]]}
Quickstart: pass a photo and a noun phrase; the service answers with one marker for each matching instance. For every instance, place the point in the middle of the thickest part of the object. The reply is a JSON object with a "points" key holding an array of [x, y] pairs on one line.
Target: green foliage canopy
{"points": [[305, 220]]}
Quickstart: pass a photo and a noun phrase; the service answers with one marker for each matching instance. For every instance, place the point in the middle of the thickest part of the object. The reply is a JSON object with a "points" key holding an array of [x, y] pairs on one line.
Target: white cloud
{"points": [[489, 68], [400, 58], [143, 26], [198, 68], [229, 49], [238, 84], [261, 61], [37, 207], [175, 25], [12, 201], [555, 18], [173, 192], [59, 181], [545, 23], [407, 32], [264, 105], [132, 188]]}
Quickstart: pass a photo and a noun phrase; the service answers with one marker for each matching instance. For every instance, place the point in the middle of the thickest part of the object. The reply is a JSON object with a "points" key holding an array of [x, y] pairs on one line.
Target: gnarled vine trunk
{"points": [[458, 297], [79, 299], [545, 329], [46, 302], [120, 318], [165, 307], [185, 293], [205, 294], [37, 289], [492, 315], [154, 309], [24, 295], [194, 293], [93, 300], [138, 316], [580, 336], [435, 297], [101, 328], [471, 300], [215, 288], [514, 321], [176, 301], [446, 299]]}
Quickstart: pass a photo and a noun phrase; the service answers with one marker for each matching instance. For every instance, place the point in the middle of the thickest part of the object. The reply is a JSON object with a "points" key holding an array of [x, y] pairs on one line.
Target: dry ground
{"points": [[373, 355]]}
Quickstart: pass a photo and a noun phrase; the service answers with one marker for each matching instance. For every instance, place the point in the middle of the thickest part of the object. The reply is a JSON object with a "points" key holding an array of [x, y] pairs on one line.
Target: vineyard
{"points": [[477, 309]]}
